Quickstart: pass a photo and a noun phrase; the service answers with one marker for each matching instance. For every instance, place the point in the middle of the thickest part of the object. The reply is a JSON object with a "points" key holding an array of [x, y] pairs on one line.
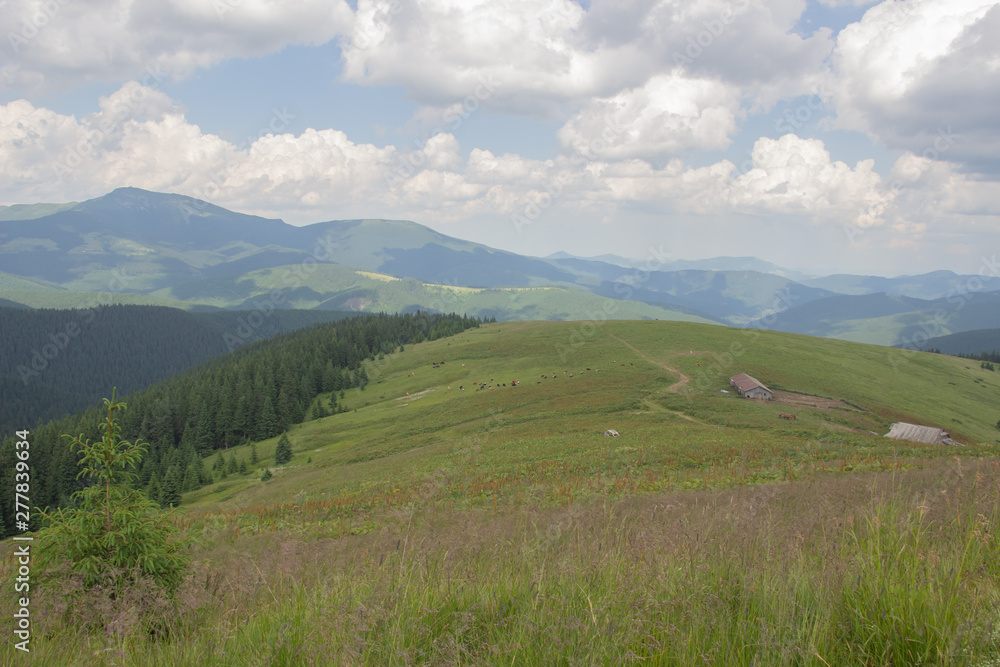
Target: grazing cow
{"points": [[611, 433], [788, 416]]}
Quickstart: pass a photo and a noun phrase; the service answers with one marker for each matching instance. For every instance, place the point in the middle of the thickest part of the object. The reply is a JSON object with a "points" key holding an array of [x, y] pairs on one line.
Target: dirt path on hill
{"points": [[675, 388], [655, 407], [783, 397]]}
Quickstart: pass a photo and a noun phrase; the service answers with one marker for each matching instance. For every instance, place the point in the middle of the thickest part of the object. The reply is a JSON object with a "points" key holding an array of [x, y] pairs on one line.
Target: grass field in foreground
{"points": [[433, 525]]}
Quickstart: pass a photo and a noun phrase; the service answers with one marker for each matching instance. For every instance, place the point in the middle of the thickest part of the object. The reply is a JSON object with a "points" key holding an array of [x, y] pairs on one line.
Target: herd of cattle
{"points": [[493, 384]]}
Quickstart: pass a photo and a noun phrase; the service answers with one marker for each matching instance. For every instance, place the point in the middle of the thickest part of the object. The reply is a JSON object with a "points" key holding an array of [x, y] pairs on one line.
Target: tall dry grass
{"points": [[893, 568]]}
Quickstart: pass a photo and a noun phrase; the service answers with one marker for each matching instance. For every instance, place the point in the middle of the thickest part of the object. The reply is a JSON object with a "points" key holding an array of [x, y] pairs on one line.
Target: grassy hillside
{"points": [[337, 287], [432, 523], [32, 211], [412, 406], [9, 281]]}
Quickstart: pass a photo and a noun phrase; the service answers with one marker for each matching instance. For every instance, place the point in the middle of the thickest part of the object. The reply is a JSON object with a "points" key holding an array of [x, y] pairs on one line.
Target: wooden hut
{"points": [[930, 435], [750, 387]]}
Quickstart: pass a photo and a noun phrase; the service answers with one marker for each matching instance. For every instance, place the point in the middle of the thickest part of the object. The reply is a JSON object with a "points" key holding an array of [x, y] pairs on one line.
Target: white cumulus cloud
{"points": [[52, 44], [794, 175], [910, 73], [667, 115]]}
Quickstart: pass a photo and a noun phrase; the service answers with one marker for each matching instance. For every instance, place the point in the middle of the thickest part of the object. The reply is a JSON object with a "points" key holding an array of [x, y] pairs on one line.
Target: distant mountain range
{"points": [[888, 320], [711, 264], [140, 247]]}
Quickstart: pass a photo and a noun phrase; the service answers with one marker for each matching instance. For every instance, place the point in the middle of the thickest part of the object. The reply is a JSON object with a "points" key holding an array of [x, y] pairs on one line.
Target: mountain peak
{"points": [[145, 200], [133, 198]]}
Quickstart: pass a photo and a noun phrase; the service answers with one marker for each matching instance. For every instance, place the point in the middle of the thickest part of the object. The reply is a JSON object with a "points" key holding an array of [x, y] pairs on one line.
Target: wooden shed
{"points": [[750, 387], [930, 435]]}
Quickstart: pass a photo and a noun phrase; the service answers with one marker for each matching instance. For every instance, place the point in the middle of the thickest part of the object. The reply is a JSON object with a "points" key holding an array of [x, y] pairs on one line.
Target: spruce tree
{"points": [[204, 474], [253, 454], [153, 489], [283, 452], [115, 533], [170, 490], [267, 420], [192, 478]]}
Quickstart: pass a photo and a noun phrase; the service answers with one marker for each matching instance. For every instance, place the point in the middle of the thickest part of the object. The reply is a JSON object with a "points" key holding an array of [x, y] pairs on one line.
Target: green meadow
{"points": [[466, 508]]}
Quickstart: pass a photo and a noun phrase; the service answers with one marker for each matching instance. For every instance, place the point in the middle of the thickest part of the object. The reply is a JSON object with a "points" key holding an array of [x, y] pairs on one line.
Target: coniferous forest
{"points": [[56, 362], [256, 392]]}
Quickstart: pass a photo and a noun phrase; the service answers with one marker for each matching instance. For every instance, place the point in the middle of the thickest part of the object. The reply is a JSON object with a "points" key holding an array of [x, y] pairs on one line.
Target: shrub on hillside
{"points": [[283, 452], [116, 540]]}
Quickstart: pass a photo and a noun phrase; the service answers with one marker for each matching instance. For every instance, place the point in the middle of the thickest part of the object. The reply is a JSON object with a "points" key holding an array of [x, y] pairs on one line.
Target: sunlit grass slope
{"points": [[415, 419], [431, 523]]}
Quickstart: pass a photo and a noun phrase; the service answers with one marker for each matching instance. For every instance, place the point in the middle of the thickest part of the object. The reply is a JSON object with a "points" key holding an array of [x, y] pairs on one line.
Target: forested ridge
{"points": [[254, 393], [55, 362]]}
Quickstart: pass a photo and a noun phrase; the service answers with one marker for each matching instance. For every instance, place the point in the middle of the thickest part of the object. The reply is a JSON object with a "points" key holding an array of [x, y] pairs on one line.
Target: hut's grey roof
{"points": [[744, 382], [926, 434]]}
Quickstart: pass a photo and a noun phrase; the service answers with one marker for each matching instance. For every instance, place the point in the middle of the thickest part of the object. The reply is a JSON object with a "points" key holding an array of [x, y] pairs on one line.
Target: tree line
{"points": [[986, 357], [254, 393]]}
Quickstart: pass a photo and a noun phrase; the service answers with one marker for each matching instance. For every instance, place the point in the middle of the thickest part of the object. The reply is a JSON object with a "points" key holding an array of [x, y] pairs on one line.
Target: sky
{"points": [[824, 136]]}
